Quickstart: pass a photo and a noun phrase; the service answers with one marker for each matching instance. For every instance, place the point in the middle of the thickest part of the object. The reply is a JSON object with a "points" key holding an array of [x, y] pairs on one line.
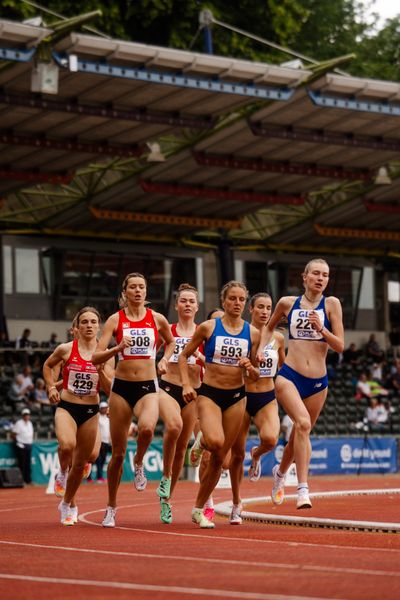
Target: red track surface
{"points": [[142, 558]]}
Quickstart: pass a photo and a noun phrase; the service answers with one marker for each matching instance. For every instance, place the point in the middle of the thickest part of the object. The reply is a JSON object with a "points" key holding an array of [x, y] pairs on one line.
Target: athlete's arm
{"points": [[202, 333], [281, 348], [281, 310], [165, 331], [102, 352], [251, 364], [334, 339], [106, 374], [49, 370]]}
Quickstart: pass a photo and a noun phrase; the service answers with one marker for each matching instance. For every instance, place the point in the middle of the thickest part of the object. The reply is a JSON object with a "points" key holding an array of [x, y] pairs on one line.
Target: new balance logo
{"points": [[236, 395], [317, 385]]}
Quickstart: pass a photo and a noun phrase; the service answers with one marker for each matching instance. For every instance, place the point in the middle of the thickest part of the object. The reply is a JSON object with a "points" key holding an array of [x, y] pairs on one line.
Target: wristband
{"points": [[321, 330], [52, 387]]}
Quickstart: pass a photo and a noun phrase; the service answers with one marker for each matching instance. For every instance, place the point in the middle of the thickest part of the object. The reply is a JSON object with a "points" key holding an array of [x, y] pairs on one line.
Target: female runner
{"points": [[229, 341], [173, 407], [261, 406], [134, 390], [315, 323], [76, 417]]}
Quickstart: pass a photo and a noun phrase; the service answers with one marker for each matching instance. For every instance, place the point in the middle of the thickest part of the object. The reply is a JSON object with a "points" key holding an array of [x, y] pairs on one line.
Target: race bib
{"points": [[228, 351], [142, 342], [269, 365], [300, 326], [82, 383], [180, 343]]}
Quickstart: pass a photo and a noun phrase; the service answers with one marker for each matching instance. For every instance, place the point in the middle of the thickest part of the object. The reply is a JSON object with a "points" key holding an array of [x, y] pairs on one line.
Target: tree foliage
{"points": [[319, 29]]}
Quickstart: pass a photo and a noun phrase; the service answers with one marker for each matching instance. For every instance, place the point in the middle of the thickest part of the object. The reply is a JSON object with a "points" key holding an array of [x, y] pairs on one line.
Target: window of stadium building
{"points": [[95, 279]]}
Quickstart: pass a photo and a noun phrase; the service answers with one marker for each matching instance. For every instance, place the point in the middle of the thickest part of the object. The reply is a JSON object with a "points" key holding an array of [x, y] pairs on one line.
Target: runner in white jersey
{"points": [[261, 406], [178, 415]]}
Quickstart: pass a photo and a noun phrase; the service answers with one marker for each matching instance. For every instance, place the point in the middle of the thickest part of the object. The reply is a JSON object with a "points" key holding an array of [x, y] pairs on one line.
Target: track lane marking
{"points": [[159, 588], [257, 564]]}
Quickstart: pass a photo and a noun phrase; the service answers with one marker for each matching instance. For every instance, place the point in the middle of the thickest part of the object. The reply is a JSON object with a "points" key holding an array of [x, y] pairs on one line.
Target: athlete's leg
{"points": [[120, 414], [170, 413], [65, 429], [237, 458], [85, 440], [189, 417], [267, 422], [146, 412]]}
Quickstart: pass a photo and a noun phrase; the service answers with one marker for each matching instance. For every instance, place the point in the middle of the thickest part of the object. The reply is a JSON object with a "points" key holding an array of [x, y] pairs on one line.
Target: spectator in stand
{"points": [[378, 416], [394, 337], [40, 394], [105, 448], [351, 355], [22, 432], [376, 372], [395, 378], [23, 340], [19, 394], [52, 343], [367, 387], [373, 350]]}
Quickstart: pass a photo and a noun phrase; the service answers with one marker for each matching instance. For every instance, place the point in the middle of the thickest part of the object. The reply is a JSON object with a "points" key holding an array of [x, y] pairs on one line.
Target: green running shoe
{"points": [[164, 489], [165, 511]]}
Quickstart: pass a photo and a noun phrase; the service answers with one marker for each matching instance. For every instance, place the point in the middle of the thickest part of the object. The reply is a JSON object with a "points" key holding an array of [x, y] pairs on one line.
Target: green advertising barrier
{"points": [[45, 459]]}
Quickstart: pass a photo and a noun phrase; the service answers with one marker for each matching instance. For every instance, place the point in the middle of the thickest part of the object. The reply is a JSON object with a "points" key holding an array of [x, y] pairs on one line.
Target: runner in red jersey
{"points": [[135, 389], [178, 415], [76, 417]]}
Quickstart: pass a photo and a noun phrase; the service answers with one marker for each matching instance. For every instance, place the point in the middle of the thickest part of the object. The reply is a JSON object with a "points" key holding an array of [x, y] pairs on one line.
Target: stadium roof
{"points": [[275, 157]]}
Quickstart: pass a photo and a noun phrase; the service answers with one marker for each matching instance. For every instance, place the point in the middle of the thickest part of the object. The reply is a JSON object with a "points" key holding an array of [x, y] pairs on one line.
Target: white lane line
{"points": [[245, 563], [224, 538], [224, 509], [121, 585]]}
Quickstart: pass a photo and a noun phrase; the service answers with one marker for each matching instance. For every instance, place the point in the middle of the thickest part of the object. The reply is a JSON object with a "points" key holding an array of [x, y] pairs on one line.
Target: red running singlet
{"points": [[80, 376], [143, 335]]}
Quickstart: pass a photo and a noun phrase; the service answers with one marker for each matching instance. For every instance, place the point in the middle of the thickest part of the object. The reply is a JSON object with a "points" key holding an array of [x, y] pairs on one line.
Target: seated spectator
{"points": [[377, 416], [39, 393], [23, 340], [27, 373], [373, 350], [51, 343], [376, 372], [351, 355], [332, 361], [394, 337], [367, 387], [395, 378], [19, 394]]}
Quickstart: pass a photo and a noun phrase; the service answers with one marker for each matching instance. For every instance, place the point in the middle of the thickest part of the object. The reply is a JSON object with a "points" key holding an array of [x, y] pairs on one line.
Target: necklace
{"points": [[311, 301]]}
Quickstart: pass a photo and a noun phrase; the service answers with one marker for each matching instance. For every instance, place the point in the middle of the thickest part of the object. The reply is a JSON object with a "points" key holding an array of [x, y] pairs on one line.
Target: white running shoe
{"points": [[140, 480], [60, 483], [255, 467], [235, 518], [199, 518], [65, 514], [73, 511], [303, 499], [196, 451], [109, 517], [278, 487]]}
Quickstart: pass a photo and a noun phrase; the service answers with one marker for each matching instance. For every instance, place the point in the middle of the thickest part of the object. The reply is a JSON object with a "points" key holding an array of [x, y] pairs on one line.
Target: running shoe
{"points": [[303, 499], [255, 467], [140, 481], [60, 483], [87, 470], [196, 451], [165, 511], [66, 517], [164, 488], [278, 487], [73, 511], [209, 513], [199, 518], [235, 518], [109, 517]]}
